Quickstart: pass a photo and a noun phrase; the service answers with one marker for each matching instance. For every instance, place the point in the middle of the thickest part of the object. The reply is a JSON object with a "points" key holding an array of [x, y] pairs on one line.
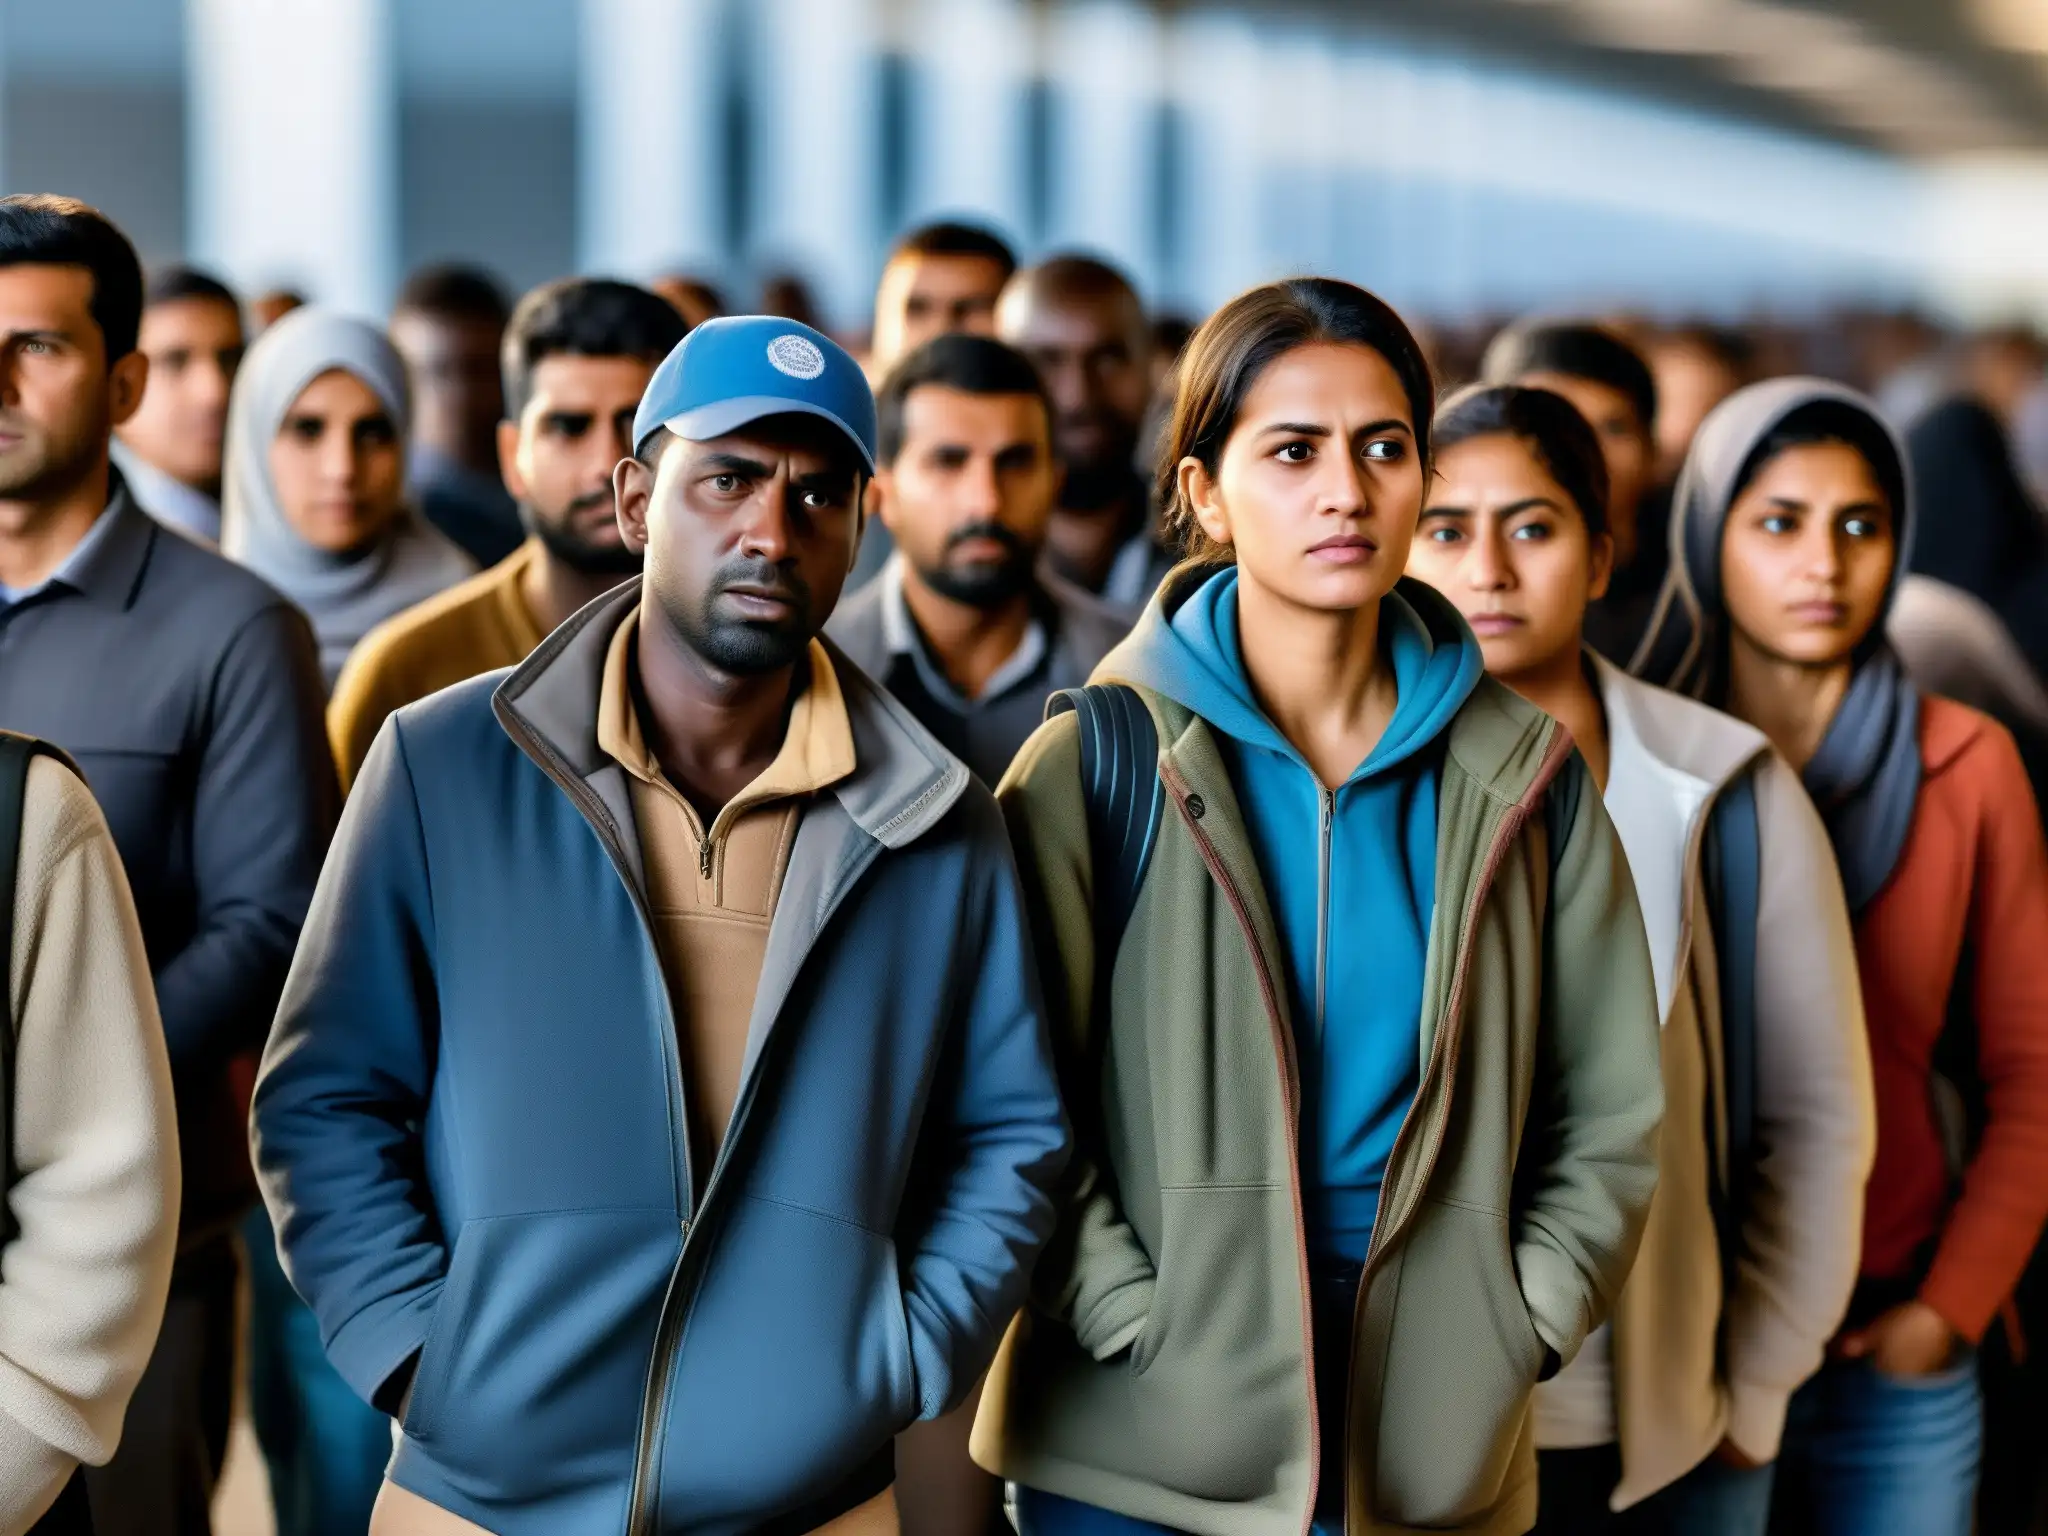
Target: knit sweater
{"points": [[82, 1287]]}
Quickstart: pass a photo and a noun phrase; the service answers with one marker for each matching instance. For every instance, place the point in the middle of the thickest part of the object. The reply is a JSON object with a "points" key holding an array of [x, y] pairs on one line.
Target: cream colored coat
{"points": [[82, 1287], [1693, 1365]]}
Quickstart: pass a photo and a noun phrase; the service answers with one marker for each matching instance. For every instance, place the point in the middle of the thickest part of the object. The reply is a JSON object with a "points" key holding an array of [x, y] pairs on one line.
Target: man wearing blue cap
{"points": [[659, 1115]]}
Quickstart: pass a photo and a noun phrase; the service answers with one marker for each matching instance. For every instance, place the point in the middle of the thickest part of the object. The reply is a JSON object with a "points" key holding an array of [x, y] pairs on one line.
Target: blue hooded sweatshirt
{"points": [[1350, 874]]}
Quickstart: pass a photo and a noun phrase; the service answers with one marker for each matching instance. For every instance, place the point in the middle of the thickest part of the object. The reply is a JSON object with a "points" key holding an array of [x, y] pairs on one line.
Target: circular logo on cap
{"points": [[797, 356]]}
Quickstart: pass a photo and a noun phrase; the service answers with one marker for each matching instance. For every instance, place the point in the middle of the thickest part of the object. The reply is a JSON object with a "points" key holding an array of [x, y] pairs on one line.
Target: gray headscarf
{"points": [[1865, 779], [345, 595]]}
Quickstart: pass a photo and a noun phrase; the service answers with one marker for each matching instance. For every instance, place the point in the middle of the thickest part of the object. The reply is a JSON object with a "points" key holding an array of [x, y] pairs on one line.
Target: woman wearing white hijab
{"points": [[313, 501], [313, 494]]}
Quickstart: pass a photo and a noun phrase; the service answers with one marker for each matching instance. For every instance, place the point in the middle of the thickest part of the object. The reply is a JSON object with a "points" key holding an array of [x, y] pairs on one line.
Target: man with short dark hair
{"points": [[577, 357], [659, 1116], [1610, 384], [962, 624], [189, 694], [169, 451], [448, 323], [1082, 324], [938, 278]]}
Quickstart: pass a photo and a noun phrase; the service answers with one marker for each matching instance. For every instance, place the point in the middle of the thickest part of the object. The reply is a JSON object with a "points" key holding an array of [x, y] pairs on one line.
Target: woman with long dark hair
{"points": [[1356, 1013], [1790, 530], [1667, 1424]]}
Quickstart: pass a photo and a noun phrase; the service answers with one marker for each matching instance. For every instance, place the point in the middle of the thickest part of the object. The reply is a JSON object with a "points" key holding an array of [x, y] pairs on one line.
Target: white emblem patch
{"points": [[797, 356]]}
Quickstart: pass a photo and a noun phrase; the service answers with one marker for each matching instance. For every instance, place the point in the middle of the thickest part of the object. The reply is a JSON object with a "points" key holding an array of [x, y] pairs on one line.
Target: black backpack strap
{"points": [[1732, 867], [16, 752], [1120, 782]]}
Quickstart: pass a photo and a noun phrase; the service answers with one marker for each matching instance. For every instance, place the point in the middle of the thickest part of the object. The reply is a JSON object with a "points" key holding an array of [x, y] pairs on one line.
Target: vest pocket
{"points": [[1462, 1357]]}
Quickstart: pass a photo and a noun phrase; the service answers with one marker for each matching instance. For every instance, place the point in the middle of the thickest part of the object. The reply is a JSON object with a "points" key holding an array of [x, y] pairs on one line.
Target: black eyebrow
{"points": [[1313, 429], [734, 464], [41, 333], [826, 480], [1462, 514]]}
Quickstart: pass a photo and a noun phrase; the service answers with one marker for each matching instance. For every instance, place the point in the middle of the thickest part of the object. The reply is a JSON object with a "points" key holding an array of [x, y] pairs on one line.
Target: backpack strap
{"points": [[1732, 868], [1125, 799]]}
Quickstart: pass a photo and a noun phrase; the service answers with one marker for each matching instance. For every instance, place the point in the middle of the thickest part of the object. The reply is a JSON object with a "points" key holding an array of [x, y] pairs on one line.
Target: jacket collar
{"points": [[902, 783], [111, 571], [1668, 758], [1683, 737]]}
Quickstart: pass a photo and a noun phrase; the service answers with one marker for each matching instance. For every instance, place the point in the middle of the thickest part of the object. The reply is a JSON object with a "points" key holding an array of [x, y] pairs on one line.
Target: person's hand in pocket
{"points": [[1909, 1340]]}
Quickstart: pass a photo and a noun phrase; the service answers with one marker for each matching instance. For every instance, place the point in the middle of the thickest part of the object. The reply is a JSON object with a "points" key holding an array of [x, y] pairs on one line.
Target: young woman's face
{"points": [[1505, 543], [1319, 486], [337, 464], [1807, 555]]}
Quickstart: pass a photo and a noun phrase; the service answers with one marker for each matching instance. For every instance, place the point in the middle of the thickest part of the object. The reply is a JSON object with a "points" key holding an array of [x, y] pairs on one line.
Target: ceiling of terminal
{"points": [[1919, 77]]}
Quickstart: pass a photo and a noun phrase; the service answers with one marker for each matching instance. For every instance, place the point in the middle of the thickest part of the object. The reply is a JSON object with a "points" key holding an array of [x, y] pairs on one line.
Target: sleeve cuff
{"points": [[1756, 1419], [1968, 1313], [375, 1346], [1555, 1293], [1115, 1322]]}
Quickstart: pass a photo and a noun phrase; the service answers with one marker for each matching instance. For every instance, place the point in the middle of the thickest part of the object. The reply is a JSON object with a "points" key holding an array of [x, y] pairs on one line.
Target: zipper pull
{"points": [[704, 856]]}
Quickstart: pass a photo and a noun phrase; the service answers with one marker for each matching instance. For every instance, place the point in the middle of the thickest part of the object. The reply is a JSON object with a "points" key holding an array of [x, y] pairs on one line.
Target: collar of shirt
{"points": [[167, 498], [817, 747], [903, 638], [73, 571]]}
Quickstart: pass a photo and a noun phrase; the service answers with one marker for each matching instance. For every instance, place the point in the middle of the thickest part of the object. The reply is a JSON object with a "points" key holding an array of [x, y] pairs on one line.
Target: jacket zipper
{"points": [[668, 1323], [1443, 1051], [668, 1336], [654, 1390], [1290, 1077], [1327, 805]]}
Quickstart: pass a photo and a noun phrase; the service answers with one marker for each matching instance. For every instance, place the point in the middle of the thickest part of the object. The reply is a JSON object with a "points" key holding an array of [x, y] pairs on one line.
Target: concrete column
{"points": [[970, 60], [648, 146], [814, 87], [293, 132], [1106, 61], [1214, 72]]}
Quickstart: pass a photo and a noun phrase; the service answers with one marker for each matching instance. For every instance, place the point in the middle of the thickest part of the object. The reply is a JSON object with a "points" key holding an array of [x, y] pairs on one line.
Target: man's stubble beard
{"points": [[740, 647]]}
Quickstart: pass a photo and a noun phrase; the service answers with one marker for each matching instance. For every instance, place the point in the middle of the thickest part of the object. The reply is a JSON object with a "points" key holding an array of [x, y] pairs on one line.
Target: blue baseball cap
{"points": [[739, 368]]}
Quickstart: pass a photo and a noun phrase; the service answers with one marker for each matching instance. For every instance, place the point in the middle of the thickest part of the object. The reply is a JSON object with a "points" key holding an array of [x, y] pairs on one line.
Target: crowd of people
{"points": [[645, 920]]}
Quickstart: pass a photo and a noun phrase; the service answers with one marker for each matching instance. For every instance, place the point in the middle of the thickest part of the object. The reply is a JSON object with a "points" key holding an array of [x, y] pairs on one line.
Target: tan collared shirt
{"points": [[712, 889]]}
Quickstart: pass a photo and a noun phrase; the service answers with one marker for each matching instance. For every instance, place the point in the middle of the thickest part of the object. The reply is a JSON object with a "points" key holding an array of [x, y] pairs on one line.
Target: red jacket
{"points": [[1974, 875]]}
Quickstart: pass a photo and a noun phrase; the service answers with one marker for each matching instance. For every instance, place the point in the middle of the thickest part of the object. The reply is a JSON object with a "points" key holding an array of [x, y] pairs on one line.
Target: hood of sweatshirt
{"points": [[1349, 869], [1186, 647]]}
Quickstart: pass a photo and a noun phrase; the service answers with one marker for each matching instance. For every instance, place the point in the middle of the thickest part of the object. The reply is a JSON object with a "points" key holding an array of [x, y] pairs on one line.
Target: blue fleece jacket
{"points": [[1350, 875], [472, 1130]]}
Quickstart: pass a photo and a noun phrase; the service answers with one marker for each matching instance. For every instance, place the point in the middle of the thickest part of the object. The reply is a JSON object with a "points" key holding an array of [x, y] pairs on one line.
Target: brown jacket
{"points": [[476, 626]]}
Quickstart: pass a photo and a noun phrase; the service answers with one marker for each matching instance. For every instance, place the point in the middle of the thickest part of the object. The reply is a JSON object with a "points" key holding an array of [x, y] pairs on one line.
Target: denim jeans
{"points": [[324, 1447], [1868, 1454], [1714, 1499]]}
